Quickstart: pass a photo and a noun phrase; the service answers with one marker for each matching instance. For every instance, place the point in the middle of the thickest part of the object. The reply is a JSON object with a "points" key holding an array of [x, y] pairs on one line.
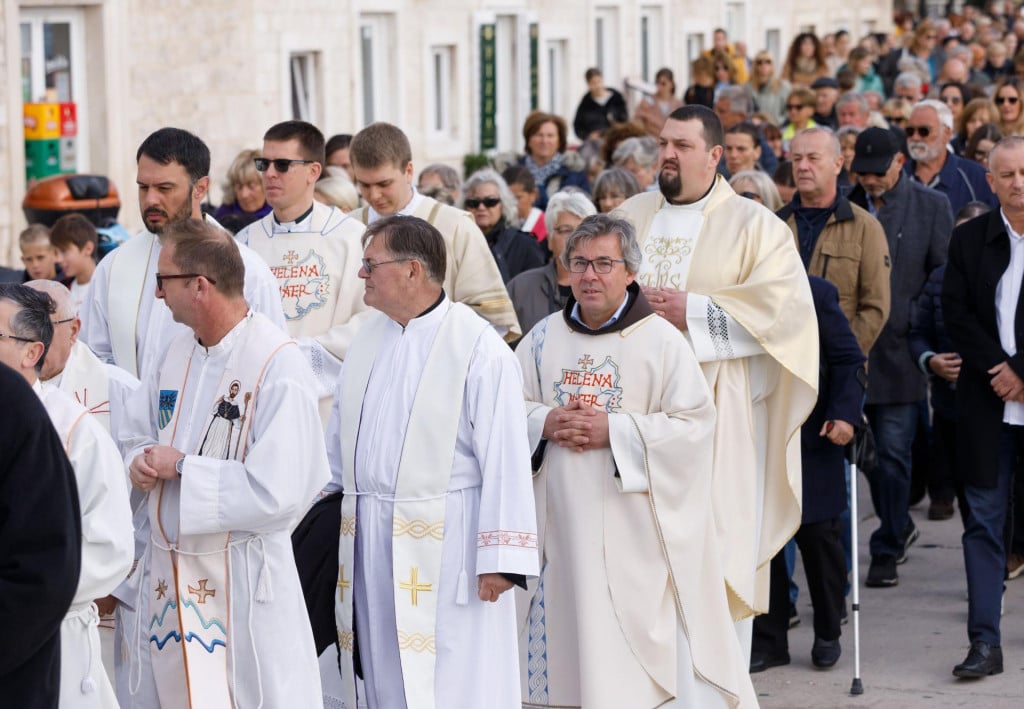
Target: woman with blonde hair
{"points": [[1009, 113], [244, 201], [770, 90]]}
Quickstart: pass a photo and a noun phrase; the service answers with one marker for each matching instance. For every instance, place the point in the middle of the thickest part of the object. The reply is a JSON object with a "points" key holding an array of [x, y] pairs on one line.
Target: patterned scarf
{"points": [[542, 173]]}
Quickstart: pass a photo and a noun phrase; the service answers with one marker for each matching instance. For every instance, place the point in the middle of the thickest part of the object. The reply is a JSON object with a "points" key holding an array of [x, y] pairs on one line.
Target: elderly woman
{"points": [[613, 187], [541, 291], [335, 188], [756, 185], [552, 167], [244, 201], [490, 201], [653, 111]]}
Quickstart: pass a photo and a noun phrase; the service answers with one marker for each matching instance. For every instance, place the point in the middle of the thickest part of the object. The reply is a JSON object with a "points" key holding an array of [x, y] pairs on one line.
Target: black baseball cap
{"points": [[874, 151]]}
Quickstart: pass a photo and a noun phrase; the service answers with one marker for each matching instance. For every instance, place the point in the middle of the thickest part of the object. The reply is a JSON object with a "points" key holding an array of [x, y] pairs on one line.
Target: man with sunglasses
{"points": [[26, 333], [932, 163], [122, 321], [917, 221], [312, 249]]}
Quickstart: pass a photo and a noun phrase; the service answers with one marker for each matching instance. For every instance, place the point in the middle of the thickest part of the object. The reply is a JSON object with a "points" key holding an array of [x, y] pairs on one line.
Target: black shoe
{"points": [[983, 660], [761, 661], [939, 510], [794, 617], [910, 535], [882, 572], [825, 653]]}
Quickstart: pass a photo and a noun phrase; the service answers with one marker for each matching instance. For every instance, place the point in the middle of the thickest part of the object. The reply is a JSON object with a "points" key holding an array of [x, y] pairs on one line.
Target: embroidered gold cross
{"points": [[161, 589], [290, 258], [202, 591], [343, 583], [585, 361], [413, 586]]}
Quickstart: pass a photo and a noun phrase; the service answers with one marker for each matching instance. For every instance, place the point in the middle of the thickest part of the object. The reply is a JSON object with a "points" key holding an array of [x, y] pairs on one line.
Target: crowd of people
{"points": [[548, 435]]}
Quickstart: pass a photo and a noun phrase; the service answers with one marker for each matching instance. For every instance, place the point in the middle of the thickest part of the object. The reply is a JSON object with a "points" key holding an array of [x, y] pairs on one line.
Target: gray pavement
{"points": [[911, 635]]}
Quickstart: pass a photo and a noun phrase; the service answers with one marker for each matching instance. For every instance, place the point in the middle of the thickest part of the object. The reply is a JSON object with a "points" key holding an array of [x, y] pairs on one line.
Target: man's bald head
{"points": [[66, 326]]}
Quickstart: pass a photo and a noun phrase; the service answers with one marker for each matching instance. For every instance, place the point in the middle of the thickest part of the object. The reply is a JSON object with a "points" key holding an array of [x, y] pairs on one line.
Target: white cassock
{"points": [[123, 311], [629, 609], [106, 547], [316, 262], [270, 657], [463, 651]]}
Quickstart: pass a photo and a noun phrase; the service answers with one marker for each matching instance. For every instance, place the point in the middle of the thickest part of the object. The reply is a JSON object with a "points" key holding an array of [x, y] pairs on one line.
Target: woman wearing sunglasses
{"points": [[490, 201], [770, 90], [1007, 98]]}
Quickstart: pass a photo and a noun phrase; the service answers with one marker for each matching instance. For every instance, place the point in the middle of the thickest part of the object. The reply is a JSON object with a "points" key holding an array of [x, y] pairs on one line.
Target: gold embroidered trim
{"points": [[417, 529], [348, 526], [417, 642]]}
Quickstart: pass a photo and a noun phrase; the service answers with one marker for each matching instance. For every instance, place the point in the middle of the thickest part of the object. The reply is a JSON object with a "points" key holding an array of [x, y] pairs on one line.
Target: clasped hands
{"points": [[577, 426], [1005, 383], [154, 463]]}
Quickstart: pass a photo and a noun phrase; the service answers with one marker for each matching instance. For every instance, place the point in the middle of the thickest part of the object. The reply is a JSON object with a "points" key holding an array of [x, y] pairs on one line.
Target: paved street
{"points": [[911, 635]]}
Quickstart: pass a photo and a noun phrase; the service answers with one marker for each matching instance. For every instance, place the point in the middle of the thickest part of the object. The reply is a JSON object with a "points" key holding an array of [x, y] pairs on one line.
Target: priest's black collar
{"points": [[675, 203], [637, 308], [440, 299], [298, 219]]}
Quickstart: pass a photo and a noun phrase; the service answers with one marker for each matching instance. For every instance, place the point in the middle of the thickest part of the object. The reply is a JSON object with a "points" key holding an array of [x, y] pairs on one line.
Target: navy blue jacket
{"points": [[928, 337], [840, 397], [961, 180]]}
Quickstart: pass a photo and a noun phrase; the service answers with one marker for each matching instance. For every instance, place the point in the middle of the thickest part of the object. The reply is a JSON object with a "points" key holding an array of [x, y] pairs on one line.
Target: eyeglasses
{"points": [[564, 230], [15, 337], [897, 120], [923, 131], [1000, 100], [489, 202], [955, 100], [980, 155], [601, 265], [795, 106], [161, 277], [65, 320], [280, 164], [369, 265]]}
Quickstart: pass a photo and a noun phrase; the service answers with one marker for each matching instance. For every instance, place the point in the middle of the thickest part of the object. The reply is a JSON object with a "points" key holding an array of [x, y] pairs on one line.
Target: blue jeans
{"points": [[894, 426], [984, 540]]}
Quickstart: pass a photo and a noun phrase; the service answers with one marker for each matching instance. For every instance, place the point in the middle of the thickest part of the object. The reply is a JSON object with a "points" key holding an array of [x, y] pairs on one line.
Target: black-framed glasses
{"points": [[280, 164], [1000, 100], [161, 277], [15, 337], [923, 131], [489, 202], [65, 320], [795, 106], [369, 265], [601, 266]]}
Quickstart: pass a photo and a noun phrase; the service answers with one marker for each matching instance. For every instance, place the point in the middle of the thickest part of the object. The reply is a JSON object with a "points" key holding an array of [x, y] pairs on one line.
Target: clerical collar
{"points": [[440, 299], [228, 341], [293, 225], [698, 204], [407, 210]]}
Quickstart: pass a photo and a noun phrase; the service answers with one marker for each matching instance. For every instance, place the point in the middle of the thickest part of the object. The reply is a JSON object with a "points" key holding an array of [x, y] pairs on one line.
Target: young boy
{"points": [[75, 239], [38, 255]]}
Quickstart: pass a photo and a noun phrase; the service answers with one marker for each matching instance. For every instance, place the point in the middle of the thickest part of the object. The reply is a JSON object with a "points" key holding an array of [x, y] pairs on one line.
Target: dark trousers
{"points": [[822, 552], [894, 426], [985, 540], [944, 483]]}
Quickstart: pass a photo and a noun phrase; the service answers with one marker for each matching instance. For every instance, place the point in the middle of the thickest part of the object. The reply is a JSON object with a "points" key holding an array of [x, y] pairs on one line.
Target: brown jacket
{"points": [[852, 253]]}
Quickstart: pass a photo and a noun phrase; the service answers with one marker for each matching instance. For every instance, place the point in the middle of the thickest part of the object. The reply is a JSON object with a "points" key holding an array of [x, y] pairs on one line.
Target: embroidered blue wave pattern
{"points": [[161, 637], [304, 284], [537, 648], [168, 398]]}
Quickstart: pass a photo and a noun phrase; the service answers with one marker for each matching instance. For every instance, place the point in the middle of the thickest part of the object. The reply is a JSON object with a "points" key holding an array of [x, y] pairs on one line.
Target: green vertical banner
{"points": [[534, 66], [488, 88]]}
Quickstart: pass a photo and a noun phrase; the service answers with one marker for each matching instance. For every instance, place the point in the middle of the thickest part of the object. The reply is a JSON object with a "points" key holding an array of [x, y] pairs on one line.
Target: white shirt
{"points": [[1007, 295]]}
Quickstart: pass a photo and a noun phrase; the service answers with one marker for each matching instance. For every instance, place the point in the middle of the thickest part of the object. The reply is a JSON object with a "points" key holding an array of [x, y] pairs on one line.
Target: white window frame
{"points": [[652, 41], [606, 43], [556, 72], [736, 21], [773, 44], [441, 94], [304, 82], [377, 74]]}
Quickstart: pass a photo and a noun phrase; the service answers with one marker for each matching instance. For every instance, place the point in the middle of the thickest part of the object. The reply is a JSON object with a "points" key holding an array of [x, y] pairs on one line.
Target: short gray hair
{"points": [[643, 151], [1010, 141], [449, 175], [941, 110], [509, 209], [575, 203], [738, 98], [606, 225], [833, 142], [907, 78], [764, 185], [854, 97]]}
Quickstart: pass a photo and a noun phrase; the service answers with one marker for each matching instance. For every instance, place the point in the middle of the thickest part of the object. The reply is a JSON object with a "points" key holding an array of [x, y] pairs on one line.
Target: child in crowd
{"points": [[38, 255], [75, 239]]}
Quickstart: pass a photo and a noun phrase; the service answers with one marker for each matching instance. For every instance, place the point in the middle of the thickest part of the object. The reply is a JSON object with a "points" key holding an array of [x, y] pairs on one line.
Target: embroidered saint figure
{"points": [[226, 417]]}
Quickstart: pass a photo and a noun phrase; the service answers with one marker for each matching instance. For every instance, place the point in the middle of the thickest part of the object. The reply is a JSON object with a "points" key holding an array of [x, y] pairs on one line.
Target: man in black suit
{"points": [[983, 311]]}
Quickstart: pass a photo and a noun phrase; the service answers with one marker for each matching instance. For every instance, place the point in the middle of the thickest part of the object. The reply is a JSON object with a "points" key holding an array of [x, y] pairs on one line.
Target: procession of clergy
{"points": [[584, 521]]}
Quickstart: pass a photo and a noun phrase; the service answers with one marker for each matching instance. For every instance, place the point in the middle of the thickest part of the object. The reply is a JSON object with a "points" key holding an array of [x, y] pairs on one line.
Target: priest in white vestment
{"points": [[629, 609], [724, 270], [382, 164], [219, 619], [428, 443], [121, 321], [25, 320], [312, 249]]}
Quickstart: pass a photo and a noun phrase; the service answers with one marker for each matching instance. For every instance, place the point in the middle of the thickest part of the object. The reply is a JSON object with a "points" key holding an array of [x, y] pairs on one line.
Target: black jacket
{"points": [[514, 251], [591, 115], [928, 336], [979, 254]]}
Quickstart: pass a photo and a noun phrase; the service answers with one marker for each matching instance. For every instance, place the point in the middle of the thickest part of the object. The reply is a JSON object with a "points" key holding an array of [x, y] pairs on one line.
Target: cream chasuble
{"points": [[751, 322], [629, 609], [433, 460], [471, 276], [316, 262]]}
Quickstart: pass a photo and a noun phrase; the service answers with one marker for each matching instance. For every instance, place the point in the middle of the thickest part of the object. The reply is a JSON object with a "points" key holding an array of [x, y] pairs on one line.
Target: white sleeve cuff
{"points": [[628, 453]]}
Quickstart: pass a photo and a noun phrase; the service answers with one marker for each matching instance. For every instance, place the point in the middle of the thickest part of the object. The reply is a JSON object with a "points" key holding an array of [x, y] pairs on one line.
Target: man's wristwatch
{"points": [[179, 465]]}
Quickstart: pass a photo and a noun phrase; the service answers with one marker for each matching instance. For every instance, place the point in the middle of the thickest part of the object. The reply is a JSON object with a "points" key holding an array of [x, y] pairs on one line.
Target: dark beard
{"points": [[670, 185], [181, 215]]}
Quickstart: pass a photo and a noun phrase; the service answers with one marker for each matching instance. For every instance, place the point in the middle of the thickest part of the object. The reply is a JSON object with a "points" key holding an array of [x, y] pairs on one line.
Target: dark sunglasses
{"points": [[795, 106], [952, 99], [280, 164], [161, 277], [488, 202], [1000, 100], [923, 131]]}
